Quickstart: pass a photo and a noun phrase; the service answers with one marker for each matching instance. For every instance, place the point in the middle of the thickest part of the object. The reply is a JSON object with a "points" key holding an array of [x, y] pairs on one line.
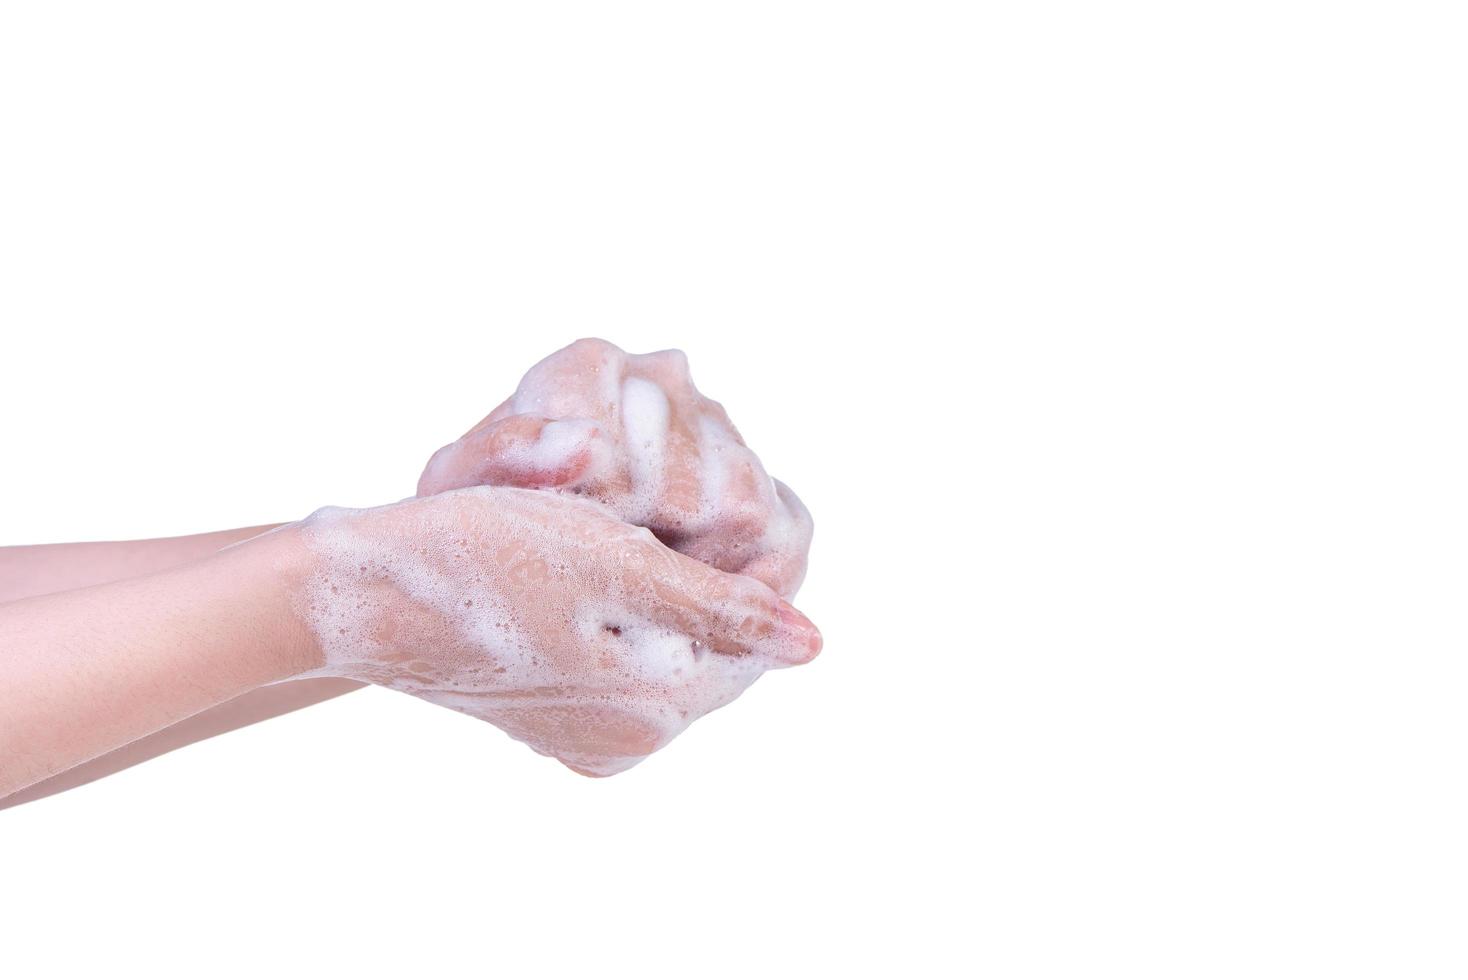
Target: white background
{"points": [[1115, 348]]}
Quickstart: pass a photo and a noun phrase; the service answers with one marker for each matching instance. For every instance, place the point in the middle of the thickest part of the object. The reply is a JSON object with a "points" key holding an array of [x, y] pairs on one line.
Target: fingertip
{"points": [[672, 359], [816, 643], [800, 639], [436, 475], [794, 505]]}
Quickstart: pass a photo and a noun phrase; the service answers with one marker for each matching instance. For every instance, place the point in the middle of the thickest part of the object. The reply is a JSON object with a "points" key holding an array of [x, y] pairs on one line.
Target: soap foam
{"points": [[663, 456], [572, 631], [645, 428]]}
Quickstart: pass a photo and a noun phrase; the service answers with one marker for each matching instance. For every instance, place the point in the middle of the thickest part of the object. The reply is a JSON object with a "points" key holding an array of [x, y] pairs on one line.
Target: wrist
{"points": [[267, 574]]}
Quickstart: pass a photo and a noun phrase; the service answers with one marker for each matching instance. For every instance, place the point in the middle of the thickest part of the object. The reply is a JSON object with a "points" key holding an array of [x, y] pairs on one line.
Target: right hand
{"points": [[632, 432], [578, 634]]}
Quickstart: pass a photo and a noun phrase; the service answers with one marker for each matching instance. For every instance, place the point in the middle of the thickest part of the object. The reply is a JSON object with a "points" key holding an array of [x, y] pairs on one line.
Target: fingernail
{"points": [[791, 616], [797, 621]]}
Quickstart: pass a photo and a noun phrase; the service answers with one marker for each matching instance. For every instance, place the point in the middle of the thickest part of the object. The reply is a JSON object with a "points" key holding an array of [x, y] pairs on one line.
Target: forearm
{"points": [[247, 709], [41, 569], [86, 671], [45, 569]]}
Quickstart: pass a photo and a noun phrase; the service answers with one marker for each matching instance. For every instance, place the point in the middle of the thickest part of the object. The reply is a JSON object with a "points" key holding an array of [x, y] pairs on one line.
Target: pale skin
{"points": [[36, 570], [198, 640]]}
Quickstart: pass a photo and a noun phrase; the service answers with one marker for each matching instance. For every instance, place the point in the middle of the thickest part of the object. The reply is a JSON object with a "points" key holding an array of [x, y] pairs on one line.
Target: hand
{"points": [[632, 432], [580, 635]]}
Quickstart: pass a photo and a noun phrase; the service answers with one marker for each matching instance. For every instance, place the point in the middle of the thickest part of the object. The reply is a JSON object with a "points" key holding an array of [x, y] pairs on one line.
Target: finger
{"points": [[528, 451], [683, 466], [580, 380], [441, 472], [785, 545], [502, 410], [720, 417], [581, 359], [679, 460], [737, 503], [730, 615]]}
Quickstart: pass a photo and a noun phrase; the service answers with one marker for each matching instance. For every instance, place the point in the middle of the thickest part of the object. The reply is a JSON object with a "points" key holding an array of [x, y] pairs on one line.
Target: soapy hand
{"points": [[632, 432], [576, 633]]}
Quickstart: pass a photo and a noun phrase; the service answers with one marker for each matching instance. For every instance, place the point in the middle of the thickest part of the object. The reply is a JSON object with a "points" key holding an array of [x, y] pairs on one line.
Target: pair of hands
{"points": [[591, 568]]}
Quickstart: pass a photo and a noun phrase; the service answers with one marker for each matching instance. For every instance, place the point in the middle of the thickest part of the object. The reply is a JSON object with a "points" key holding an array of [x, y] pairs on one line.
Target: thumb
{"points": [[527, 451], [730, 615]]}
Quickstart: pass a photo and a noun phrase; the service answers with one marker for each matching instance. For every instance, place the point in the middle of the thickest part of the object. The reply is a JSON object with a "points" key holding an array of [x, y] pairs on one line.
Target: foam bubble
{"points": [[645, 428]]}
